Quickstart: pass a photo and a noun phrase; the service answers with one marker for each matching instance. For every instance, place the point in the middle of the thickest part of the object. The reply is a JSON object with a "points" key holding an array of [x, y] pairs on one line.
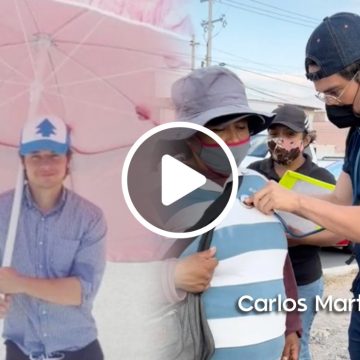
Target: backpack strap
{"points": [[210, 214]]}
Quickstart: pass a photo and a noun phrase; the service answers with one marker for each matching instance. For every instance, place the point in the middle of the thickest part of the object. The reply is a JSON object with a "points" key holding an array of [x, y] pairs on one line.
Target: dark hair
{"points": [[312, 135], [251, 119], [347, 73], [222, 119], [68, 154]]}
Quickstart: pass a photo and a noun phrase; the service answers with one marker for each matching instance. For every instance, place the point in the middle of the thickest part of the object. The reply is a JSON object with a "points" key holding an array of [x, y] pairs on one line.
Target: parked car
{"points": [[258, 149], [335, 167]]}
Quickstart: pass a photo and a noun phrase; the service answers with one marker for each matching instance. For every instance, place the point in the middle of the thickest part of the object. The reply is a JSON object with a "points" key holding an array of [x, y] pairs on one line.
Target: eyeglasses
{"points": [[332, 99]]}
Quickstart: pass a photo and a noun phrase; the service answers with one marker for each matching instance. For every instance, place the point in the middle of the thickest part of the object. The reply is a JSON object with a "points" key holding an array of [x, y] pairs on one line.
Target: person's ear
{"points": [[356, 102], [306, 140], [357, 77], [68, 164], [22, 160]]}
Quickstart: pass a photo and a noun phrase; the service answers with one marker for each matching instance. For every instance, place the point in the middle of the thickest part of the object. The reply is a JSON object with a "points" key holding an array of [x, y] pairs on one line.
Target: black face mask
{"points": [[342, 116]]}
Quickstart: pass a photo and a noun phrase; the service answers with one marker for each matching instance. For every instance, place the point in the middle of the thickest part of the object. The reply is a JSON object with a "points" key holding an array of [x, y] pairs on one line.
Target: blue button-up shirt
{"points": [[68, 241]]}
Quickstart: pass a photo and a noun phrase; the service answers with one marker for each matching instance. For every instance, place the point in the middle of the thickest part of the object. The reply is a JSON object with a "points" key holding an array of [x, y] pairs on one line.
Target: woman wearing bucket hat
{"points": [[332, 63], [59, 257], [288, 138], [251, 249]]}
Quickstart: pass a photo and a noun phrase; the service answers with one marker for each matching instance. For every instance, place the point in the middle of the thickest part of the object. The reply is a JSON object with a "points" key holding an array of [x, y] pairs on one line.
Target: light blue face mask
{"points": [[215, 159]]}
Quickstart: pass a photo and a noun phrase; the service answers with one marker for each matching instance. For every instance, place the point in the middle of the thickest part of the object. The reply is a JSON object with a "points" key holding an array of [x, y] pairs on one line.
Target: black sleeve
{"points": [[255, 165], [347, 163], [322, 174], [261, 167]]}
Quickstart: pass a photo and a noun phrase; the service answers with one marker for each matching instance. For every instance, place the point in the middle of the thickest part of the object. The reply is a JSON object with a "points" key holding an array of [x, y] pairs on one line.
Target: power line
{"points": [[262, 92], [241, 58], [267, 13], [267, 76], [281, 13], [250, 70], [263, 13], [287, 16], [236, 57], [307, 17], [287, 11], [277, 93]]}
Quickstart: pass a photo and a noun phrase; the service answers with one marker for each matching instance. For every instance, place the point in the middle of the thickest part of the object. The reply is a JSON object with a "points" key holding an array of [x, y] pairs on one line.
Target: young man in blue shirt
{"points": [[332, 63], [59, 255], [289, 137]]}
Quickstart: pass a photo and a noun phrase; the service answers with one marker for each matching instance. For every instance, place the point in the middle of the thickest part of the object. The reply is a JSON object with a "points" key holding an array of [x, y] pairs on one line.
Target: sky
{"points": [[264, 42]]}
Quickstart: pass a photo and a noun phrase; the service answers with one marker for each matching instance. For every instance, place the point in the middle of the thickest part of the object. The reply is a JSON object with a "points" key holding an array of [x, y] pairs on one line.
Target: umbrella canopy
{"points": [[97, 71], [167, 14]]}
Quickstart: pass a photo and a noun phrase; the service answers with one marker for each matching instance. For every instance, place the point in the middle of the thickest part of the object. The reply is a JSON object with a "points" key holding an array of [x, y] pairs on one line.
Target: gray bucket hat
{"points": [[209, 93]]}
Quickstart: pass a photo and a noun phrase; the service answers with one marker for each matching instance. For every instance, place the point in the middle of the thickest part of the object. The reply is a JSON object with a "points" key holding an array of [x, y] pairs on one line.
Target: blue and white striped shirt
{"points": [[251, 249], [68, 241]]}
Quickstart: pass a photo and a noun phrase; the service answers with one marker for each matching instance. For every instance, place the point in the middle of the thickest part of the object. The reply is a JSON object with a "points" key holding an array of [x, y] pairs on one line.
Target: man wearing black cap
{"points": [[333, 63], [289, 136]]}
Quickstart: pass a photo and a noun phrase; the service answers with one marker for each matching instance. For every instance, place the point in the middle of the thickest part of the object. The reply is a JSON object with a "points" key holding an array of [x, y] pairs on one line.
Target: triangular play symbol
{"points": [[177, 180]]}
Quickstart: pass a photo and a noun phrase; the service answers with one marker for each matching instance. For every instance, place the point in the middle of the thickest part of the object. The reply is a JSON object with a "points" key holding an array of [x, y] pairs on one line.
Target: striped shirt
{"points": [[68, 241], [251, 249]]}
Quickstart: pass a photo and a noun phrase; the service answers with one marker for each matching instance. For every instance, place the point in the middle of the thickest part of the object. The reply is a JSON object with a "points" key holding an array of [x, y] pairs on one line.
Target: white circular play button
{"points": [[178, 180], [164, 192]]}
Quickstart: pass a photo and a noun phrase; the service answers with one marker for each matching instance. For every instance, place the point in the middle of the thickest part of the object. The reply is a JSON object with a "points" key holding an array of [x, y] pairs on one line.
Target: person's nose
{"points": [[232, 134], [45, 162]]}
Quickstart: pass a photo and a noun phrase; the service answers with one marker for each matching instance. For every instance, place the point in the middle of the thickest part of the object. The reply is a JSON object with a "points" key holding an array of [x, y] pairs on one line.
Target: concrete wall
{"points": [[330, 139]]}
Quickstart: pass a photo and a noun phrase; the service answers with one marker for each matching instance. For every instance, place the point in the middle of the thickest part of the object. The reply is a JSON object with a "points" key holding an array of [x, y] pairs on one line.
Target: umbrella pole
{"points": [[42, 47], [15, 212]]}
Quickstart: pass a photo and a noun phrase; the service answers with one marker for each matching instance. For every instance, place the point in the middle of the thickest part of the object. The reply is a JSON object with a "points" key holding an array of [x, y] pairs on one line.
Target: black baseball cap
{"points": [[292, 117], [333, 45]]}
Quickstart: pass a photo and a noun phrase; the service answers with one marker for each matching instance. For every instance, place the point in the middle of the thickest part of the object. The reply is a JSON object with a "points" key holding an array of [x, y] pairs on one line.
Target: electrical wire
{"points": [[285, 11], [242, 58], [267, 76], [266, 13]]}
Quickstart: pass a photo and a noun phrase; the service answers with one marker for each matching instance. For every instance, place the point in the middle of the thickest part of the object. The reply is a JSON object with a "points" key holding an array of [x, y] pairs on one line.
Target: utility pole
{"points": [[193, 45], [209, 39], [208, 27]]}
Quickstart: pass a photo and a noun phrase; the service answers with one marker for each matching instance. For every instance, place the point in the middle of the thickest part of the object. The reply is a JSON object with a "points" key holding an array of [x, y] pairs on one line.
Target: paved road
{"points": [[333, 257]]}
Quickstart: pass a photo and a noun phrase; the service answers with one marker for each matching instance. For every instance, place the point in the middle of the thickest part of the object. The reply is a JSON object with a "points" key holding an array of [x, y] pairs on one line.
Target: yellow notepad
{"points": [[305, 185]]}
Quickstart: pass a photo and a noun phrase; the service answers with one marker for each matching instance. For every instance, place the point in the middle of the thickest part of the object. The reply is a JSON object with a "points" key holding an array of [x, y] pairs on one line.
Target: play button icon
{"points": [[178, 180], [165, 190]]}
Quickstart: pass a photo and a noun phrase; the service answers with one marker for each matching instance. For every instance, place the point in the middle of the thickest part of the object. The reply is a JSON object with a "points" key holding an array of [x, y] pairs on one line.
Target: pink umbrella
{"points": [[97, 71], [165, 14]]}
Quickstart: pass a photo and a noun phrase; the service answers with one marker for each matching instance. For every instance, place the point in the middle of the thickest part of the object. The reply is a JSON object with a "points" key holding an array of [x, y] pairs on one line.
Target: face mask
{"points": [[342, 116], [215, 159], [285, 151]]}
